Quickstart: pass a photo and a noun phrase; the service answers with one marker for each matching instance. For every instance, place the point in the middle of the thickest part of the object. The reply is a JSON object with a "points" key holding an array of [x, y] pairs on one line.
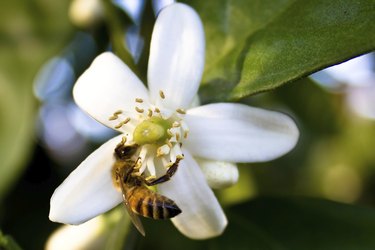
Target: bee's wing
{"points": [[134, 218]]}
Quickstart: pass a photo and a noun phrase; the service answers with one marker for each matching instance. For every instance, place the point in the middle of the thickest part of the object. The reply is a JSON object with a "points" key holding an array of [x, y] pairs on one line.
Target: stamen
{"points": [[163, 150], [127, 119], [165, 162], [119, 125], [186, 134], [115, 115], [123, 140], [175, 152], [177, 136], [149, 113], [169, 143], [176, 124], [161, 93], [181, 111], [143, 153], [142, 167], [151, 166], [139, 110], [169, 132], [157, 110], [139, 100]]}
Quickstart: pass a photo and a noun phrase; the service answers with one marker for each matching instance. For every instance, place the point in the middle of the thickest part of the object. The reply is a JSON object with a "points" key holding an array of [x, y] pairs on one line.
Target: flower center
{"points": [[151, 131], [159, 132]]}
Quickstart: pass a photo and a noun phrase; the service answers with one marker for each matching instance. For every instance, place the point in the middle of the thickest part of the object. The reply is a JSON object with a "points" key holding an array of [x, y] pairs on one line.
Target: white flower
{"points": [[217, 132], [85, 236]]}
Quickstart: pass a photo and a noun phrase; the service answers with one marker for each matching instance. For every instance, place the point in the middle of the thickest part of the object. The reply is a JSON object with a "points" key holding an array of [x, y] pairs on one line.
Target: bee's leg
{"points": [[168, 175]]}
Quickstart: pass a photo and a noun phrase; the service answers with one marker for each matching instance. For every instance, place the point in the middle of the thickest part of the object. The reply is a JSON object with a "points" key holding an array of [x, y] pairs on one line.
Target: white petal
{"points": [[239, 133], [202, 216], [176, 56], [88, 191], [106, 86], [84, 236], [219, 174]]}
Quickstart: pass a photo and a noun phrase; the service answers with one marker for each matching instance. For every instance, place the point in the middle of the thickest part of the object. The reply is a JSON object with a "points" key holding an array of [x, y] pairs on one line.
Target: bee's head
{"points": [[124, 152]]}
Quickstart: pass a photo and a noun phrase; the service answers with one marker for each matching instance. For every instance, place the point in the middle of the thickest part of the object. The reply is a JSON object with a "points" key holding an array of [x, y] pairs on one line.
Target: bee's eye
{"points": [[125, 152]]}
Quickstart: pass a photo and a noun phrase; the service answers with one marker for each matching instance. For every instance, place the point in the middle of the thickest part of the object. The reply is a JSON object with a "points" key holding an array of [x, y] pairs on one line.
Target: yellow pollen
{"points": [[161, 93], [139, 100], [139, 110]]}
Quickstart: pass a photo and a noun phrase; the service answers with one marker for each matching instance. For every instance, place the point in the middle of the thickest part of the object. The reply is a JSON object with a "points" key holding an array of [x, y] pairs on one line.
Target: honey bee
{"points": [[137, 198]]}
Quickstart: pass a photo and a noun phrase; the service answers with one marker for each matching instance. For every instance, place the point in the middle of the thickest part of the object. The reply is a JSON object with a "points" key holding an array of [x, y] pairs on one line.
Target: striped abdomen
{"points": [[150, 204]]}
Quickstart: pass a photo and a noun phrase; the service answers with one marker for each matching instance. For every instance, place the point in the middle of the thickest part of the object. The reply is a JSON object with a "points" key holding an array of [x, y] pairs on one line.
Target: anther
{"points": [[186, 134], [169, 144], [149, 113], [163, 150], [123, 140], [113, 117], [139, 100], [157, 110], [161, 93], [118, 112], [177, 136], [119, 125], [139, 110], [181, 111], [126, 120], [176, 124]]}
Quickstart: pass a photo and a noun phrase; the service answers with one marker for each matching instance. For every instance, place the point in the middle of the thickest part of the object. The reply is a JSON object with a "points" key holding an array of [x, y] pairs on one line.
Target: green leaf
{"points": [[302, 223], [8, 243], [16, 124], [32, 32], [278, 223], [255, 46], [227, 24], [307, 37]]}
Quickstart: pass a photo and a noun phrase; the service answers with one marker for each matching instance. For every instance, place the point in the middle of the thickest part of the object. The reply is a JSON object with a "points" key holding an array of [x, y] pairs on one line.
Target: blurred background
{"points": [[45, 46]]}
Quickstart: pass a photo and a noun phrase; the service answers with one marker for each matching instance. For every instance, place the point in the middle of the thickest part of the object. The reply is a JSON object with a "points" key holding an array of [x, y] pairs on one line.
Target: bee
{"points": [[137, 198]]}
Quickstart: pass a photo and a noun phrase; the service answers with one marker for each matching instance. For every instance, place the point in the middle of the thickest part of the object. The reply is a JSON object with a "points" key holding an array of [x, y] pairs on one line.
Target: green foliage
{"points": [[279, 223], [255, 46], [28, 40], [8, 243]]}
